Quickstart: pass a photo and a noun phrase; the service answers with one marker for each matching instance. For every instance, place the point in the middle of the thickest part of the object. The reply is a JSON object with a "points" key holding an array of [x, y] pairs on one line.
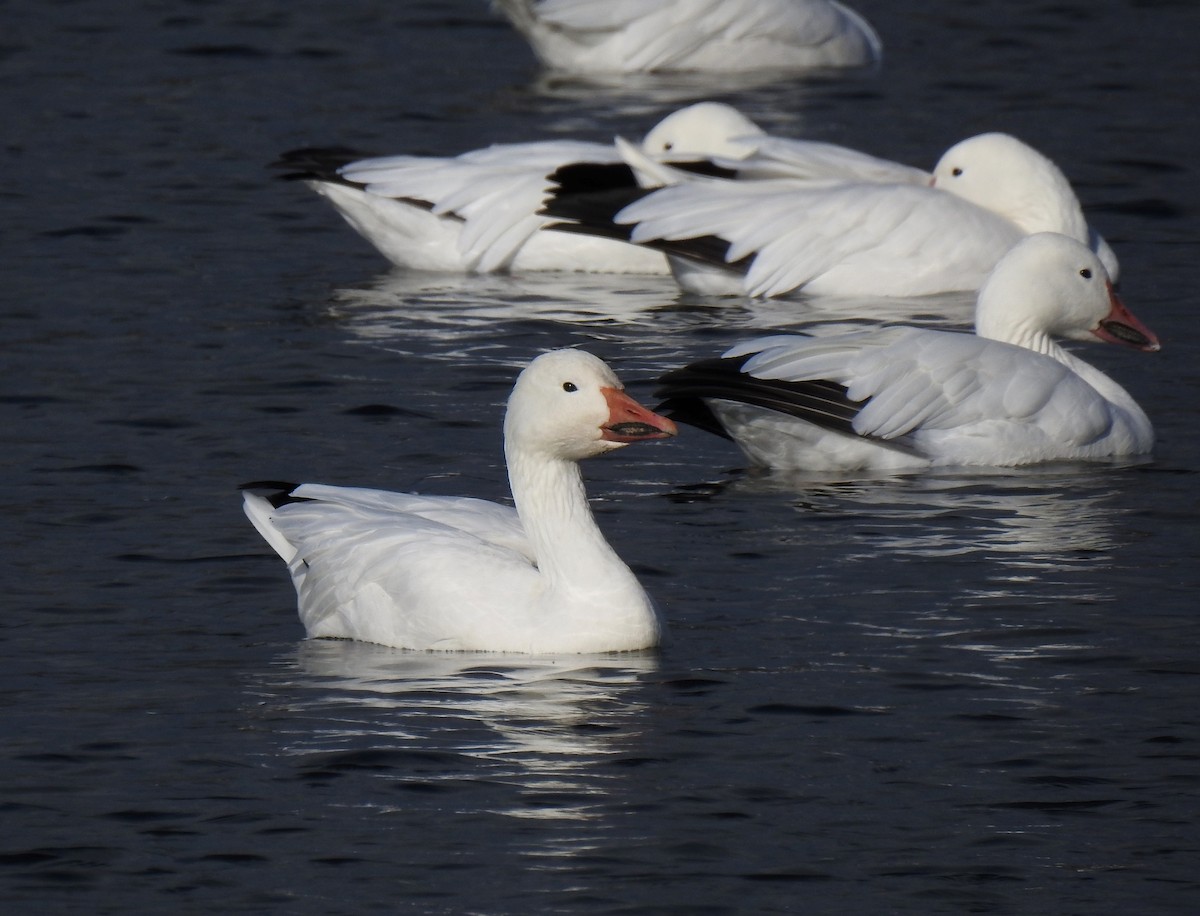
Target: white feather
{"points": [[478, 212], [827, 220], [454, 573], [934, 397], [640, 36]]}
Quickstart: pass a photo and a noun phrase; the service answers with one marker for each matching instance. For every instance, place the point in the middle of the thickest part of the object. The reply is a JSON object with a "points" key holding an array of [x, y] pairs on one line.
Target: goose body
{"points": [[478, 212], [795, 215], [904, 397], [642, 36], [446, 573]]}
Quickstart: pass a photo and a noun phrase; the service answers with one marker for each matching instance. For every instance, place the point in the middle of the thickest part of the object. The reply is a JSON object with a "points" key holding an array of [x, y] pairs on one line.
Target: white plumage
{"points": [[448, 573], [907, 397], [478, 212], [643, 36], [820, 218]]}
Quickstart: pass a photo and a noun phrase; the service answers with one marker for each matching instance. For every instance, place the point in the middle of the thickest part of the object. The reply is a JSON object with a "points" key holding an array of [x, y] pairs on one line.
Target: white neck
{"points": [[571, 552], [1010, 330]]}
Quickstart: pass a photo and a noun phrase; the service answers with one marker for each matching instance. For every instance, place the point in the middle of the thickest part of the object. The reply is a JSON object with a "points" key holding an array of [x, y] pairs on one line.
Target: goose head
{"points": [[568, 404], [704, 129], [1049, 285], [1004, 175]]}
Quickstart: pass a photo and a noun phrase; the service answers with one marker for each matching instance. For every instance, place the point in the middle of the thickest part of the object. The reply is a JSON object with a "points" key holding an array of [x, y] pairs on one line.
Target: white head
{"points": [[1049, 285], [703, 129], [1006, 176], [568, 404]]}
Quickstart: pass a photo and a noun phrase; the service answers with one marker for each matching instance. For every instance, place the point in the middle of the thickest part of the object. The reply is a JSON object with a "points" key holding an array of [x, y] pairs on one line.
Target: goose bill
{"points": [[1121, 327], [629, 421]]}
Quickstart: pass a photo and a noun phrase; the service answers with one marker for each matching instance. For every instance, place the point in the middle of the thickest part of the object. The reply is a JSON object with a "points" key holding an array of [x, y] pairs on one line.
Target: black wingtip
{"points": [[685, 392], [588, 196], [317, 163], [706, 168], [276, 492], [695, 413]]}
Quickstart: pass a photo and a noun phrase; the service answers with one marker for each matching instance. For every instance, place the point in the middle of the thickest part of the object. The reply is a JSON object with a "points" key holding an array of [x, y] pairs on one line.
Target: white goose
{"points": [[832, 221], [643, 36], [904, 397], [478, 212], [453, 573]]}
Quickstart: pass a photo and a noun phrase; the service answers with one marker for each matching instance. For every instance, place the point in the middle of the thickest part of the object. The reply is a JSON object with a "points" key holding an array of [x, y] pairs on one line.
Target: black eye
{"points": [[570, 386], [1086, 273], [667, 145], [956, 172]]}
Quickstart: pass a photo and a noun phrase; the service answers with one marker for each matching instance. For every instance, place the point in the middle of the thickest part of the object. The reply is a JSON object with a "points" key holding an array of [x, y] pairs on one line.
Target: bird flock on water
{"points": [[726, 208]]}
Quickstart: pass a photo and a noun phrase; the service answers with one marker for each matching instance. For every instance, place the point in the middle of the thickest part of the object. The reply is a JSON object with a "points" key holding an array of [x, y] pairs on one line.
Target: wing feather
{"points": [[853, 238], [496, 191], [911, 379], [785, 157]]}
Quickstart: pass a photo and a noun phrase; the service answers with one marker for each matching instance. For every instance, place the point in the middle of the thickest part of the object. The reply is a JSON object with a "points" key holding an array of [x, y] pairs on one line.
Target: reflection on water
{"points": [[450, 307], [1009, 564], [453, 316], [631, 93], [540, 723], [1034, 519]]}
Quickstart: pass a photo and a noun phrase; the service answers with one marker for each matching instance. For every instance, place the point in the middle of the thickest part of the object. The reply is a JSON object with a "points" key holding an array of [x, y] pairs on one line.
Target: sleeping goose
{"points": [[905, 397], [477, 212], [826, 220], [643, 36], [455, 573]]}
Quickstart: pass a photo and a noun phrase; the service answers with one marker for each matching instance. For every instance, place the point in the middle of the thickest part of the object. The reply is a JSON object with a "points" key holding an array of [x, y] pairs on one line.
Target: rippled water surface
{"points": [[943, 693]]}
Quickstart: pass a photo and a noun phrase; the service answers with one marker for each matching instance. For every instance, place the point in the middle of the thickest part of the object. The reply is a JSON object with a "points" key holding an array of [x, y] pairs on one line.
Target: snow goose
{"points": [[828, 220], [904, 397], [451, 573], [477, 212], [643, 36]]}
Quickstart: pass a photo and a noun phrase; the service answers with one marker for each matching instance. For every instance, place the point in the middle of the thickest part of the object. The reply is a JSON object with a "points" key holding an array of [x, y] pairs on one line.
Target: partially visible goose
{"points": [[831, 221], [643, 36], [478, 212], [425, 572], [904, 397]]}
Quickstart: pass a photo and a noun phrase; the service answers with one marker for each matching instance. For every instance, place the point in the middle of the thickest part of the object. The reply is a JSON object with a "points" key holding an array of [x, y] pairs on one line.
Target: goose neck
{"points": [[1005, 326], [552, 503]]}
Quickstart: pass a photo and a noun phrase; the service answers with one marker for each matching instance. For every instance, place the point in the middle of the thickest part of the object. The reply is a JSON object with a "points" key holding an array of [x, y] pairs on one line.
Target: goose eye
{"points": [[1086, 273], [667, 146], [956, 172], [570, 386]]}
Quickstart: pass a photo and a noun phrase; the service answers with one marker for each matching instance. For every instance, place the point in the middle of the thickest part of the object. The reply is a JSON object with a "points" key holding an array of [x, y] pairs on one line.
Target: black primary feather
{"points": [[318, 163], [820, 402], [694, 412], [588, 196], [706, 168], [276, 492]]}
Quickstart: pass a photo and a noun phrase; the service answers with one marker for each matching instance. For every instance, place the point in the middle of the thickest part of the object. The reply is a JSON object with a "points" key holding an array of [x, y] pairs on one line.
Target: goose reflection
{"points": [[539, 724], [1009, 566], [1028, 520], [420, 309], [1025, 530], [783, 94], [477, 316]]}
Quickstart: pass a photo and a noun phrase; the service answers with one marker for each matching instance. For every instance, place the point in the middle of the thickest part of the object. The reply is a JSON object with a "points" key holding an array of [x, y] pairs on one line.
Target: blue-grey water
{"points": [[927, 694]]}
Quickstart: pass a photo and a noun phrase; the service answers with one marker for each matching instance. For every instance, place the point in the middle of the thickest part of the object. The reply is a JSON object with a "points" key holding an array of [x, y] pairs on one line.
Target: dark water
{"points": [[952, 693]]}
